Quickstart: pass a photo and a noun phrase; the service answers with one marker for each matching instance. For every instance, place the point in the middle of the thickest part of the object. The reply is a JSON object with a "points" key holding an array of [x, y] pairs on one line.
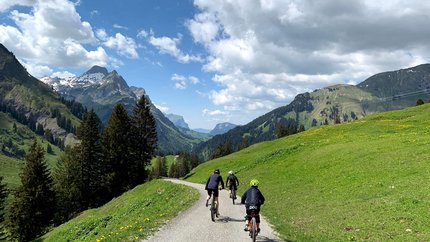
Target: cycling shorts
{"points": [[215, 192]]}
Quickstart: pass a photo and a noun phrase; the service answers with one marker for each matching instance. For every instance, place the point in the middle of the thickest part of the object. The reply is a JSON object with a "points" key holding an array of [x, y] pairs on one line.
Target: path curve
{"points": [[195, 223]]}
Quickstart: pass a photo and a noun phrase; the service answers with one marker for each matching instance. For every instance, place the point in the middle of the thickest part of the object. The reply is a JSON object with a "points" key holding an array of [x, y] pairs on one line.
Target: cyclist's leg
{"points": [[247, 219], [216, 194], [257, 218], [208, 197]]}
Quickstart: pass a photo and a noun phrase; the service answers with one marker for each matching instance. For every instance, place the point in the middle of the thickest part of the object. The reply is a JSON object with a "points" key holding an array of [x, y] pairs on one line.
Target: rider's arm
{"points": [[242, 201], [206, 187], [222, 182], [237, 181], [261, 199]]}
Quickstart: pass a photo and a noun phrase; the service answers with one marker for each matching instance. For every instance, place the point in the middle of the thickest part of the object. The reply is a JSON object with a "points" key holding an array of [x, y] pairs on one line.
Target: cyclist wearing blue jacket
{"points": [[212, 187], [253, 199]]}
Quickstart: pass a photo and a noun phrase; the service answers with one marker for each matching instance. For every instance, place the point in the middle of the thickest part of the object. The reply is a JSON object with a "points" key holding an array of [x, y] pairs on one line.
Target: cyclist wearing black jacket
{"points": [[232, 182], [212, 187], [253, 199]]}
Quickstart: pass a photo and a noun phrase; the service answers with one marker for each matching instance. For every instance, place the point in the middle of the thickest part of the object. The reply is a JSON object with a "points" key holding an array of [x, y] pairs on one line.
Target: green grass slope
{"points": [[366, 180], [131, 217], [22, 139]]}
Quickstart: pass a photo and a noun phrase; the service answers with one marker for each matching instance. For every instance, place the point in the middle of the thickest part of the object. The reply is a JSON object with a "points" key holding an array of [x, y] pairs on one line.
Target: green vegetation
{"points": [[131, 217], [32, 209], [21, 138], [366, 180]]}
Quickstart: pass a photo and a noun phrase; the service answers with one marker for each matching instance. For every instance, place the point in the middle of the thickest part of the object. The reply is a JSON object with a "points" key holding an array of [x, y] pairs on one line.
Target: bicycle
{"points": [[233, 194], [252, 227], [213, 209]]}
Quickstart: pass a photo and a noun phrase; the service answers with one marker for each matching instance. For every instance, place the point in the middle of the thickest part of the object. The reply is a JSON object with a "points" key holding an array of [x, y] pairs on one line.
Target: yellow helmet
{"points": [[254, 183]]}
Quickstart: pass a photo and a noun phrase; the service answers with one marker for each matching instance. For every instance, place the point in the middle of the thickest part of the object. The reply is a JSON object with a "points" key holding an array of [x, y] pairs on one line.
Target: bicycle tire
{"points": [[213, 210], [233, 195], [253, 229]]}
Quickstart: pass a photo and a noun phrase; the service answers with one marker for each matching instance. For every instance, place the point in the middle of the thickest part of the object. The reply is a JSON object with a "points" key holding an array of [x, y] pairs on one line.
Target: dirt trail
{"points": [[196, 225]]}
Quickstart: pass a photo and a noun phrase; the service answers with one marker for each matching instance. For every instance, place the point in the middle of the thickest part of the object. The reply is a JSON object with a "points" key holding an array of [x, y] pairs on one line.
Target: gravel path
{"points": [[196, 225]]}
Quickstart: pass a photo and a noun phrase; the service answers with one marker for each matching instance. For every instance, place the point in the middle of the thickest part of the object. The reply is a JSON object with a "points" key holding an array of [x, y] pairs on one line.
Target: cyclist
{"points": [[212, 186], [253, 199], [232, 182]]}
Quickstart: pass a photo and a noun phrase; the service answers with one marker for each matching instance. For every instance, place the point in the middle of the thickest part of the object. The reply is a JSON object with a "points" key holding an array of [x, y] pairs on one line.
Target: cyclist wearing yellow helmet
{"points": [[253, 199]]}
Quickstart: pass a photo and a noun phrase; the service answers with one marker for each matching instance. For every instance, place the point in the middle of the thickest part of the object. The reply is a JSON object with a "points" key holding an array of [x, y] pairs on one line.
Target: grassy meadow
{"points": [[131, 217], [367, 180]]}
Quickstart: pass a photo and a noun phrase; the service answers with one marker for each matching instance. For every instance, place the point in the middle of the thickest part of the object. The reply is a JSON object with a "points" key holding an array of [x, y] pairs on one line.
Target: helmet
{"points": [[231, 172], [216, 171], [254, 183]]}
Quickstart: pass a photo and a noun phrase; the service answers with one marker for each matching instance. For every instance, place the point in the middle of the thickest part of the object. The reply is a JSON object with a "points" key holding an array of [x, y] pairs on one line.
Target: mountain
{"points": [[334, 104], [400, 88], [222, 128], [178, 120], [102, 90], [33, 103]]}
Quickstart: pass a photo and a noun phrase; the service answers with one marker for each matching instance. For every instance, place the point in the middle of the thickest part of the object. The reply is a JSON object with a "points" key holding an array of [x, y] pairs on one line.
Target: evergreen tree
{"points": [[144, 140], [281, 130], [117, 148], [301, 128], [419, 102], [68, 185], [49, 149], [160, 167], [173, 170], [90, 156], [34, 204], [14, 127]]}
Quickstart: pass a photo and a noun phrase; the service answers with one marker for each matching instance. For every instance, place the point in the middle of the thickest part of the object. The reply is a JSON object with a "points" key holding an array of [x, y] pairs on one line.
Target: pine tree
{"points": [[90, 156], [160, 168], [49, 149], [117, 148], [144, 140], [419, 102], [34, 204], [68, 185]]}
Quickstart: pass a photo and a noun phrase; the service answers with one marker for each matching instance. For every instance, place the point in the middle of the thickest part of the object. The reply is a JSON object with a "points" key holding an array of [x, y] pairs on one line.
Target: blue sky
{"points": [[214, 61]]}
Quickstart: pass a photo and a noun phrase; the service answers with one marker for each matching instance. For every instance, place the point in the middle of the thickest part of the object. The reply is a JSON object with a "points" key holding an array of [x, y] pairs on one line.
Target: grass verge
{"points": [[131, 217]]}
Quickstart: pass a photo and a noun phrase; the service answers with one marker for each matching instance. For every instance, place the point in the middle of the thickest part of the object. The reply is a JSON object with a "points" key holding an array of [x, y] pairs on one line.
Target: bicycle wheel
{"points": [[253, 229], [233, 195], [213, 209]]}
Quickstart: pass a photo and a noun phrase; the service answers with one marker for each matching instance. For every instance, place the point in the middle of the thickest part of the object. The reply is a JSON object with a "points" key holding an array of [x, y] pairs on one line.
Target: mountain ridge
{"points": [[102, 92]]}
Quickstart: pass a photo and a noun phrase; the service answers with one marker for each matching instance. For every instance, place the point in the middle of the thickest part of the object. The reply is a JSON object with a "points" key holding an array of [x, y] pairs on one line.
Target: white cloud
{"points": [[117, 26], [51, 34], [162, 107], [63, 74], [263, 53], [182, 81], [167, 45], [6, 4], [214, 112], [125, 46]]}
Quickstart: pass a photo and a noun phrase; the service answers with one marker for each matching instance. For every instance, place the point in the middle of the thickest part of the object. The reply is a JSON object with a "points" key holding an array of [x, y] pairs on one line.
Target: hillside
{"points": [[133, 216], [326, 105], [14, 143], [365, 180], [334, 104], [32, 102]]}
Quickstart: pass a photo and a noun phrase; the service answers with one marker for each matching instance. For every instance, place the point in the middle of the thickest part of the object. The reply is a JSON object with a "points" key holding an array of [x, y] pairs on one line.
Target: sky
{"points": [[215, 61]]}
